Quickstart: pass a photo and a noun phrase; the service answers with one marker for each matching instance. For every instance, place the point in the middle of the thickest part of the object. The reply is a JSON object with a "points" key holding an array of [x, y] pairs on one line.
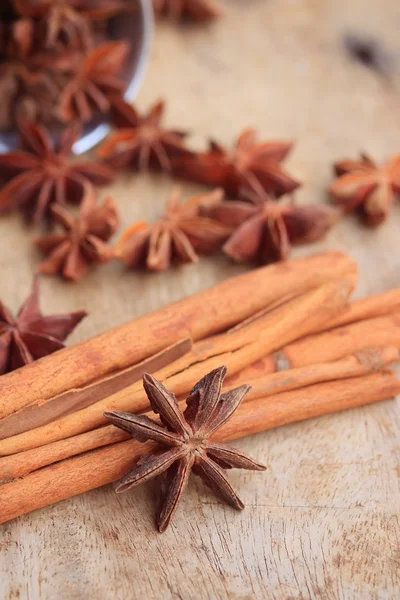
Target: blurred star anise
{"points": [[186, 438], [198, 10], [41, 174], [250, 164], [265, 231], [83, 240], [177, 237], [68, 21], [97, 80], [140, 141], [367, 187], [31, 335]]}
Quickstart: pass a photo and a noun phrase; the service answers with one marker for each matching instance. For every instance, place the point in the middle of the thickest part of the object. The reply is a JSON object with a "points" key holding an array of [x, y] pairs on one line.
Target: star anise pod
{"points": [[31, 335], [250, 164], [83, 240], [186, 437], [198, 10], [177, 237], [98, 79], [367, 187], [69, 21], [41, 174], [265, 231], [140, 141]]}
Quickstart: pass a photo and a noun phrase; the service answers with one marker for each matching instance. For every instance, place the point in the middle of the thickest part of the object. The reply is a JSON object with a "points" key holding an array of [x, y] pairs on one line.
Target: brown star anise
{"points": [[198, 10], [264, 231], [140, 141], [31, 335], [187, 439], [250, 164], [367, 187], [83, 240], [97, 80], [42, 175], [177, 237], [69, 21]]}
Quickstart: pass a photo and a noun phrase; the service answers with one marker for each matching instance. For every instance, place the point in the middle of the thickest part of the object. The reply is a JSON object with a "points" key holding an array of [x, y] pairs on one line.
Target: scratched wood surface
{"points": [[323, 521]]}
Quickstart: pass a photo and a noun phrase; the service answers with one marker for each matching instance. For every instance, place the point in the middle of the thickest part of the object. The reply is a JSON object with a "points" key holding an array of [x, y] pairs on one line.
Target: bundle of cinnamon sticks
{"points": [[289, 330]]}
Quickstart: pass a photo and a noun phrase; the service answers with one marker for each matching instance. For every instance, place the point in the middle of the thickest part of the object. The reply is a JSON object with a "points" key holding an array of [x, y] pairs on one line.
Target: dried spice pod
{"points": [[265, 231], [83, 241], [251, 164], [69, 21], [367, 187], [197, 10], [186, 439], [31, 335], [98, 79], [141, 142], [176, 238], [41, 174]]}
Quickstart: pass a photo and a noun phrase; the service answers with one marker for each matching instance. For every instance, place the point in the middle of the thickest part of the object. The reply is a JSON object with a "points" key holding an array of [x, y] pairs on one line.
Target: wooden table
{"points": [[323, 521]]}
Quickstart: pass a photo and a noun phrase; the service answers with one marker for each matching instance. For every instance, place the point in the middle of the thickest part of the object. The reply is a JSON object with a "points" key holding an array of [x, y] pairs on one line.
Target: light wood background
{"points": [[323, 521]]}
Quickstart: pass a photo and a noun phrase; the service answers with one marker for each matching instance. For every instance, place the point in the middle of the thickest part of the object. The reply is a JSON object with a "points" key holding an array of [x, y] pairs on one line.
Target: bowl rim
{"points": [[90, 140]]}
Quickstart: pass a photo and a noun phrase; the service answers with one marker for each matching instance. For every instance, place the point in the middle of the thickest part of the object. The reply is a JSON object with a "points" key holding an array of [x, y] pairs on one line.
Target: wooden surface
{"points": [[323, 521]]}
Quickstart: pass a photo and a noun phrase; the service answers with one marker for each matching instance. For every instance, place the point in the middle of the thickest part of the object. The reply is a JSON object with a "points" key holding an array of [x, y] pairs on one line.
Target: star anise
{"points": [[186, 437], [250, 164], [98, 79], [198, 10], [265, 231], [367, 187], [69, 21], [42, 174], [140, 141], [31, 335], [83, 240], [177, 237]]}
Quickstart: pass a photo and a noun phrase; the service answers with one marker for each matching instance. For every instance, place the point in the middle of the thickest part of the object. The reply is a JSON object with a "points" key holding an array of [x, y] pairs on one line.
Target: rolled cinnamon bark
{"points": [[283, 324], [198, 316], [362, 363], [327, 346], [99, 467]]}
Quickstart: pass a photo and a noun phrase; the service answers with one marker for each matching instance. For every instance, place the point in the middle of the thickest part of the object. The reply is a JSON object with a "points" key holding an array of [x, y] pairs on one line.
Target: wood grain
{"points": [[323, 521]]}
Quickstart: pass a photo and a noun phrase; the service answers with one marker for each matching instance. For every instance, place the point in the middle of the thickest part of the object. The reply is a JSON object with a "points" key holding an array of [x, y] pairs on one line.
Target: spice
{"points": [[99, 78], [198, 316], [69, 22], [41, 174], [83, 241], [177, 237], [251, 165], [99, 467], [187, 437], [198, 10], [31, 335], [264, 231], [140, 141], [367, 187]]}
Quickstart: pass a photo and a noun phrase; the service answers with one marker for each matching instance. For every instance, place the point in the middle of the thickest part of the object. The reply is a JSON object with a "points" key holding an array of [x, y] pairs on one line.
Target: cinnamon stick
{"points": [[99, 467], [198, 316], [327, 346], [284, 324], [362, 363]]}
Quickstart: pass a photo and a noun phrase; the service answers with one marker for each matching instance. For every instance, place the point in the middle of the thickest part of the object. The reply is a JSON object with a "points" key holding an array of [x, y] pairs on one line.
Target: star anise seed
{"points": [[83, 241], [186, 438], [177, 237], [41, 174], [251, 164], [140, 141], [31, 335], [367, 187]]}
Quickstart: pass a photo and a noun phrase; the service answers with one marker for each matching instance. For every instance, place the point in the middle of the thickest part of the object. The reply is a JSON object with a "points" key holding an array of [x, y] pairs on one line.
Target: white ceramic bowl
{"points": [[136, 26]]}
